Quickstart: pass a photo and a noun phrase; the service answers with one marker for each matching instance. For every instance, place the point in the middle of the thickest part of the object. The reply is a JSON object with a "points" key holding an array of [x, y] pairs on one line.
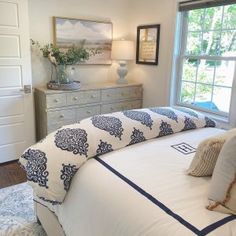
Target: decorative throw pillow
{"points": [[207, 152], [222, 194]]}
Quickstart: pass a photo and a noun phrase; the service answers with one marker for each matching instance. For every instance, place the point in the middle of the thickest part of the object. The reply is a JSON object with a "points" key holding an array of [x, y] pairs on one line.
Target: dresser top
{"points": [[85, 87]]}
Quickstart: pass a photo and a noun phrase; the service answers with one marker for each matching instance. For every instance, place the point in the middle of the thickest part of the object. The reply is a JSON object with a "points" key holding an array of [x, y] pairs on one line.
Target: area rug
{"points": [[17, 216]]}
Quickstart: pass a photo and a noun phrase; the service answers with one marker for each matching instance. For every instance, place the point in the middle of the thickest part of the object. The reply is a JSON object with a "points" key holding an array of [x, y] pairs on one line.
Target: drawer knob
{"points": [[56, 100], [108, 95], [61, 116], [88, 112], [75, 98], [93, 96]]}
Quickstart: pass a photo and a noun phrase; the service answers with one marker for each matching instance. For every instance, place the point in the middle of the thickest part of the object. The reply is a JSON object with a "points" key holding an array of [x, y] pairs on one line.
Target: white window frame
{"points": [[227, 119]]}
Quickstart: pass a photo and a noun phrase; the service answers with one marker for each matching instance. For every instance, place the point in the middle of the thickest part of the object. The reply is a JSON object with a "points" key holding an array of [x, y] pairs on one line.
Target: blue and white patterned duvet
{"points": [[51, 164]]}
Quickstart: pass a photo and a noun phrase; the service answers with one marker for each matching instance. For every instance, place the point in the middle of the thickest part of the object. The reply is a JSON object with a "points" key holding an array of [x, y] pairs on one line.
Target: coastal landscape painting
{"points": [[93, 35]]}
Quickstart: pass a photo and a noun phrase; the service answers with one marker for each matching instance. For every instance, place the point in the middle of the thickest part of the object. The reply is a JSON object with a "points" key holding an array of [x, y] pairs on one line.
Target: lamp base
{"points": [[122, 81], [122, 71]]}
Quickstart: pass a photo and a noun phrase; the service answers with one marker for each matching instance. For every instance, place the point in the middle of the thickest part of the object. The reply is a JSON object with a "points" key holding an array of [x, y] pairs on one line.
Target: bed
{"points": [[142, 189]]}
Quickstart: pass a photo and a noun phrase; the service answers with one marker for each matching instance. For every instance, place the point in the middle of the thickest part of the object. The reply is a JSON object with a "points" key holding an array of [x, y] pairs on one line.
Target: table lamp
{"points": [[122, 51]]}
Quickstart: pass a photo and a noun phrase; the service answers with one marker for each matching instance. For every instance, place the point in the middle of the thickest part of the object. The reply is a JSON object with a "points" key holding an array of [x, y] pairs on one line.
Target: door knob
{"points": [[26, 89]]}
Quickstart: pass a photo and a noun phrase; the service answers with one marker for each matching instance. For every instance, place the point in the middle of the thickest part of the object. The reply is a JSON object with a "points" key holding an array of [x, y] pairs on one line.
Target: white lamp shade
{"points": [[122, 50]]}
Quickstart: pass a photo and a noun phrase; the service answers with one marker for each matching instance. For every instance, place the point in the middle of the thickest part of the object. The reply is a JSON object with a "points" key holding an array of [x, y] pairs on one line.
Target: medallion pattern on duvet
{"points": [[136, 137], [67, 172], [188, 111], [165, 129], [140, 116], [165, 112], [103, 148], [36, 168], [210, 122], [110, 124], [53, 162], [72, 140], [189, 124]]}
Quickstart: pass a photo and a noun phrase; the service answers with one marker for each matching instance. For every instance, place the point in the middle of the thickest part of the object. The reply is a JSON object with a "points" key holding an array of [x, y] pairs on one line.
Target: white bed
{"points": [[139, 190]]}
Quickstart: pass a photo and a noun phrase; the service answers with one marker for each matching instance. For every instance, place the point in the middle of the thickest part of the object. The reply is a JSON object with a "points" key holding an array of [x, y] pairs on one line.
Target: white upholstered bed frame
{"points": [[48, 220]]}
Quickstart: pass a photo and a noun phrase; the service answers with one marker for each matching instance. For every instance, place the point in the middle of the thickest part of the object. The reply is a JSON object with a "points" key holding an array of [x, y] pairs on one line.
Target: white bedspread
{"points": [[143, 190]]}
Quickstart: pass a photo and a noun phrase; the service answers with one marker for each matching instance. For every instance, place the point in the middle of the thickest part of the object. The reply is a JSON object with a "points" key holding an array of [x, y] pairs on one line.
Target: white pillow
{"points": [[207, 153], [222, 193]]}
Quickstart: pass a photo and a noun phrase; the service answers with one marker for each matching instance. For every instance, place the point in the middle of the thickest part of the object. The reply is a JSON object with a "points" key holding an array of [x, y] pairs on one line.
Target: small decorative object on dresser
{"points": [[60, 60], [122, 51], [57, 108]]}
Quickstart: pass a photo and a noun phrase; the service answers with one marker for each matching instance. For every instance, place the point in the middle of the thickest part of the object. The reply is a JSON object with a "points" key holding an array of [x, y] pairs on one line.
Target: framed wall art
{"points": [[148, 39], [93, 35]]}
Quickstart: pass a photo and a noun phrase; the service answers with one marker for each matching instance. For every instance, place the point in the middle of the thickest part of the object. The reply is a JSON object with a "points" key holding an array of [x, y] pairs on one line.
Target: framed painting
{"points": [[96, 36], [148, 39]]}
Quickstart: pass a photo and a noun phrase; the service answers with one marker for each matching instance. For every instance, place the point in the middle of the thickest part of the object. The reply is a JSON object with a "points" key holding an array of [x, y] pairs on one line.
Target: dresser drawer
{"points": [[121, 93], [120, 106], [56, 100], [115, 94], [136, 104], [135, 92], [62, 117], [85, 112], [51, 128], [83, 97]]}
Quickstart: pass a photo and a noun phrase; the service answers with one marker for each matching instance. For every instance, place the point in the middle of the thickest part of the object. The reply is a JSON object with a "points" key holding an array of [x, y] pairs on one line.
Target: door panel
{"points": [[9, 46], [10, 134], [8, 14], [10, 151], [16, 108], [11, 106], [11, 76]]}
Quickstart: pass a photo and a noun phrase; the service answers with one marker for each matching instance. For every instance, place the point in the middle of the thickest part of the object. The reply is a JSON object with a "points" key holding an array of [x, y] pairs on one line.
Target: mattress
{"points": [[143, 190]]}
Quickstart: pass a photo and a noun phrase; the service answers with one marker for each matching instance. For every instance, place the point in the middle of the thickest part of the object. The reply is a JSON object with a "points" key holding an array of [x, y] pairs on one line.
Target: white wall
{"points": [[41, 29], [156, 79], [125, 15]]}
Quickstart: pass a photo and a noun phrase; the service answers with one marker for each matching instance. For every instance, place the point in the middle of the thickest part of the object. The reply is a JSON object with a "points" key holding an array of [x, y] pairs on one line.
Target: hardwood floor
{"points": [[11, 173]]}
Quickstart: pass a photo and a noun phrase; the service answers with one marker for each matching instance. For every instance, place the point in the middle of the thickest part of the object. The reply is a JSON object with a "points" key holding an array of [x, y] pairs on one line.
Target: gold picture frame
{"points": [[91, 34]]}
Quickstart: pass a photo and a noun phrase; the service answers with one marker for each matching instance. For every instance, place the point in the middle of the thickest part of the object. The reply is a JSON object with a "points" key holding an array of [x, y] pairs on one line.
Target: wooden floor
{"points": [[10, 174]]}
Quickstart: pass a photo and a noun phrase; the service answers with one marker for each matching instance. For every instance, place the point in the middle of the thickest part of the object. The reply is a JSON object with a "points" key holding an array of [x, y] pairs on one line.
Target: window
{"points": [[207, 57]]}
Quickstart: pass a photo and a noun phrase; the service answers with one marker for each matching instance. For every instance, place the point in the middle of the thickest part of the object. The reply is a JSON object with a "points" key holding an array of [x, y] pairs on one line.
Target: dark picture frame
{"points": [[148, 41]]}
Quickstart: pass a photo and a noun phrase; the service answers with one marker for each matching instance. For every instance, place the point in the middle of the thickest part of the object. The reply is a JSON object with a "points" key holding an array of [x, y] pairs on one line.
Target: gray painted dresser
{"points": [[57, 108]]}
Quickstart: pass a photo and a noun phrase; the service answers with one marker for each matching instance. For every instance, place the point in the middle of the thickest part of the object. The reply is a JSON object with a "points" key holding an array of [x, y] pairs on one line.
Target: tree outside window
{"points": [[208, 55]]}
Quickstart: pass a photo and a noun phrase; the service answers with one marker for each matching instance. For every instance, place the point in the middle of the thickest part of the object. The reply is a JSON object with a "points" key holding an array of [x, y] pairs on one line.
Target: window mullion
{"points": [[195, 86], [232, 114], [221, 27], [184, 35], [202, 27], [213, 83]]}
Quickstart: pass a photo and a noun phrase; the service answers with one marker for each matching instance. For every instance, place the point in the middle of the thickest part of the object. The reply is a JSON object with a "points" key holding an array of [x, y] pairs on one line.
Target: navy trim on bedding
{"points": [[202, 232]]}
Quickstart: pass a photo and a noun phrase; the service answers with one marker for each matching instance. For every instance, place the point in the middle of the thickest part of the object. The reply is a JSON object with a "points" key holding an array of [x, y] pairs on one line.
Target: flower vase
{"points": [[64, 79], [62, 74]]}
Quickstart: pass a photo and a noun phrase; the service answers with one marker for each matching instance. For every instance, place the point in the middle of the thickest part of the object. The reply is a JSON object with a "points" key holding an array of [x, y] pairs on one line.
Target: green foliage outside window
{"points": [[210, 32]]}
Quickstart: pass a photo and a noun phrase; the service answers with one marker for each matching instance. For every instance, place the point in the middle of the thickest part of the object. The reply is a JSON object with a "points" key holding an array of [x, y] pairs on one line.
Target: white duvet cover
{"points": [[143, 190]]}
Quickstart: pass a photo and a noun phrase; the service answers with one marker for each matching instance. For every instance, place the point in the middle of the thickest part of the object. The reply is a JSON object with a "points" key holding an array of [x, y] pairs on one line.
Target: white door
{"points": [[16, 106]]}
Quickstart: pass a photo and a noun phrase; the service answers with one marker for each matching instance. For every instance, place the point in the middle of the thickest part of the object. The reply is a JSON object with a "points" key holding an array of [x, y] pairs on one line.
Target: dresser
{"points": [[57, 108]]}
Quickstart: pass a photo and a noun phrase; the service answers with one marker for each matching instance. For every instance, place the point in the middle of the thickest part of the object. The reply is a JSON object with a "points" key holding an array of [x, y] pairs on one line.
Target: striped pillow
{"points": [[208, 150]]}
